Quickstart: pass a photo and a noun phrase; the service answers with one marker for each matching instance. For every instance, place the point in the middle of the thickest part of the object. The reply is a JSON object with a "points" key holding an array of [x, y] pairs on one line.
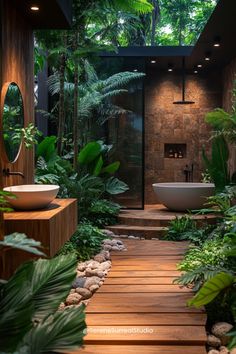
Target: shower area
{"points": [[157, 140]]}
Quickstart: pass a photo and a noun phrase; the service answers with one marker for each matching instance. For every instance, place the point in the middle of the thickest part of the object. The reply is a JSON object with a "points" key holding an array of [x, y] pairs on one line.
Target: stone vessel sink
{"points": [[183, 196], [32, 196]]}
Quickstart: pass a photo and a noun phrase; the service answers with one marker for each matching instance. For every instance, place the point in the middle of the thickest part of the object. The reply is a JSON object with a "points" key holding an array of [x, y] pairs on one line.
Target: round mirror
{"points": [[13, 121]]}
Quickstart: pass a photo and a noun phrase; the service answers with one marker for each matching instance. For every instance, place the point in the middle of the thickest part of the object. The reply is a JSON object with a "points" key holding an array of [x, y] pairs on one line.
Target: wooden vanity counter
{"points": [[52, 226]]}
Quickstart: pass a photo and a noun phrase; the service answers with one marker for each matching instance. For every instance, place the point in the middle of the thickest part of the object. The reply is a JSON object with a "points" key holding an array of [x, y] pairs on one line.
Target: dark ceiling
{"points": [[52, 14]]}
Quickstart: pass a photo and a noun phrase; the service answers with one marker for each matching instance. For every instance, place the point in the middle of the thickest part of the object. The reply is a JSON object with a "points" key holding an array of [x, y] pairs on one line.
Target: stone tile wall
{"points": [[166, 122]]}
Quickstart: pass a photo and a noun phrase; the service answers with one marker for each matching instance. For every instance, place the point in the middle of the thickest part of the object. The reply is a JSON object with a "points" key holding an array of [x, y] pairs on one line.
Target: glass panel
{"points": [[125, 132]]}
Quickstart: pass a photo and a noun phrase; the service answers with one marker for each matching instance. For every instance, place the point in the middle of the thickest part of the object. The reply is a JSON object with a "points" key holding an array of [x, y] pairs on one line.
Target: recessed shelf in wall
{"points": [[175, 151]]}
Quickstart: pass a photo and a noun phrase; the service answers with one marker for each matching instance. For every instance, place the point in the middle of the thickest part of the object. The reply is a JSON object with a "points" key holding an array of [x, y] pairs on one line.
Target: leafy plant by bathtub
{"points": [[217, 166], [30, 322]]}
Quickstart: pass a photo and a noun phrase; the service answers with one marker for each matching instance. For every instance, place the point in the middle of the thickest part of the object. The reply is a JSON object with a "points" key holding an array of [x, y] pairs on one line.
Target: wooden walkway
{"points": [[139, 310]]}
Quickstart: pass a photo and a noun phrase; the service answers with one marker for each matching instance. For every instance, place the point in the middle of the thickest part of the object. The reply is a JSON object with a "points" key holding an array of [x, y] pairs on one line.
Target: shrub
{"points": [[85, 242], [103, 212]]}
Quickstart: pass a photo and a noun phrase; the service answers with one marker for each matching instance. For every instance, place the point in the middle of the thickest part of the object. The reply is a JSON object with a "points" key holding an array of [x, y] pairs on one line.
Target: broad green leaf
{"points": [[89, 153], [60, 332], [112, 168], [47, 148], [22, 242], [115, 186], [51, 282], [98, 167], [211, 289]]}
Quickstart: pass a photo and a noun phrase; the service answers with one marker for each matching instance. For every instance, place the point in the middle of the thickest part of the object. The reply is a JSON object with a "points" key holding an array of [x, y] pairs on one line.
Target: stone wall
{"points": [[166, 122], [229, 76]]}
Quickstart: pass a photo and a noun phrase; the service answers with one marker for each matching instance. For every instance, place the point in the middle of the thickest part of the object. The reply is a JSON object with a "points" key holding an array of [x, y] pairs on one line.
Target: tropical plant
{"points": [[30, 322], [85, 243], [179, 226], [103, 212], [217, 166]]}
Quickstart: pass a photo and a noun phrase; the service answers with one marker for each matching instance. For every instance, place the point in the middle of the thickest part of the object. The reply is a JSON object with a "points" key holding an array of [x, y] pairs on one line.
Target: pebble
{"points": [[220, 330], [116, 248], [100, 258], [81, 267], [108, 232], [91, 281], [94, 272], [93, 264], [107, 247], [73, 299], [94, 287], [61, 306], [85, 293], [79, 282], [224, 350], [213, 351], [213, 341]]}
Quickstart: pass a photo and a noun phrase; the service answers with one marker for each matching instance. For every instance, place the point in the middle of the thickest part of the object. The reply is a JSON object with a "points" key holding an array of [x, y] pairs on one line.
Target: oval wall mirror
{"points": [[12, 121]]}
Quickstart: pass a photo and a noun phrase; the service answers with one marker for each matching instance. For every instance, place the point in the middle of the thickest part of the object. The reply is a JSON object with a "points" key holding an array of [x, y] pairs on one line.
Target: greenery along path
{"points": [[139, 310]]}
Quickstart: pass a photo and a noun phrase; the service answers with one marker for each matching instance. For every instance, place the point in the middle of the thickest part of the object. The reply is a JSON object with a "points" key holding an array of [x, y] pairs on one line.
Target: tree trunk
{"points": [[155, 18], [75, 111], [61, 116]]}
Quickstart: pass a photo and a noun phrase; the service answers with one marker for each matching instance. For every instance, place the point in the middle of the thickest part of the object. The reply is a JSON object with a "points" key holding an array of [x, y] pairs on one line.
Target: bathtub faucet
{"points": [[188, 171]]}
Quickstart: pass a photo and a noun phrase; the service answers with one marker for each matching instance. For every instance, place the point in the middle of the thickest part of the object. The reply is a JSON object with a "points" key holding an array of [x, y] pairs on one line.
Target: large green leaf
{"points": [[22, 242], [211, 289], [51, 282], [217, 166], [115, 186], [60, 332], [47, 148], [89, 153], [112, 168], [98, 166], [218, 118]]}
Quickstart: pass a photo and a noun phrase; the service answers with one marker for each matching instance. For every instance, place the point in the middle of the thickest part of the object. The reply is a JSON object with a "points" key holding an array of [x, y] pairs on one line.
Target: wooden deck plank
{"points": [[146, 334], [139, 280], [171, 265], [143, 273], [127, 288], [144, 319], [141, 349], [141, 302]]}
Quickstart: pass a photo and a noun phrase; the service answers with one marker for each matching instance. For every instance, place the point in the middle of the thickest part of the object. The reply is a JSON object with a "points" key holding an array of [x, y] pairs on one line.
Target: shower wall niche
{"points": [[175, 151]]}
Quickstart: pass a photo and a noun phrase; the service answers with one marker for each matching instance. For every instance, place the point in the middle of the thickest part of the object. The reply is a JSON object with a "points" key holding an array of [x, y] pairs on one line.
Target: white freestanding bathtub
{"points": [[183, 196]]}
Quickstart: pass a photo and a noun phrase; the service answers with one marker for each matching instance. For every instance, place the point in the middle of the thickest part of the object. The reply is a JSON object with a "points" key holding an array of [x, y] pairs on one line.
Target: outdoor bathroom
{"points": [[117, 176]]}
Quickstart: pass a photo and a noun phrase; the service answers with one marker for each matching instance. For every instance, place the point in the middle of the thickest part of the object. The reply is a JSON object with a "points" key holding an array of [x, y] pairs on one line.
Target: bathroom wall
{"points": [[229, 76], [16, 64], [166, 122]]}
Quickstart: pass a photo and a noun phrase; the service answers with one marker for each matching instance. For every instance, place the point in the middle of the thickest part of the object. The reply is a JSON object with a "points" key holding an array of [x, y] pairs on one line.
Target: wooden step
{"points": [[130, 288], [146, 319], [159, 335], [147, 232], [141, 302], [141, 349]]}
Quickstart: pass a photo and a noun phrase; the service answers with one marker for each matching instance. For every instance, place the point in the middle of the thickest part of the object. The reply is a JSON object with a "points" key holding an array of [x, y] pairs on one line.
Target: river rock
{"points": [[115, 248], [108, 232], [220, 330], [73, 299], [94, 287], [91, 281], [93, 264], [224, 350], [94, 272], [100, 258], [213, 341], [105, 265], [79, 282], [85, 293], [107, 247], [81, 267], [80, 274], [214, 351]]}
